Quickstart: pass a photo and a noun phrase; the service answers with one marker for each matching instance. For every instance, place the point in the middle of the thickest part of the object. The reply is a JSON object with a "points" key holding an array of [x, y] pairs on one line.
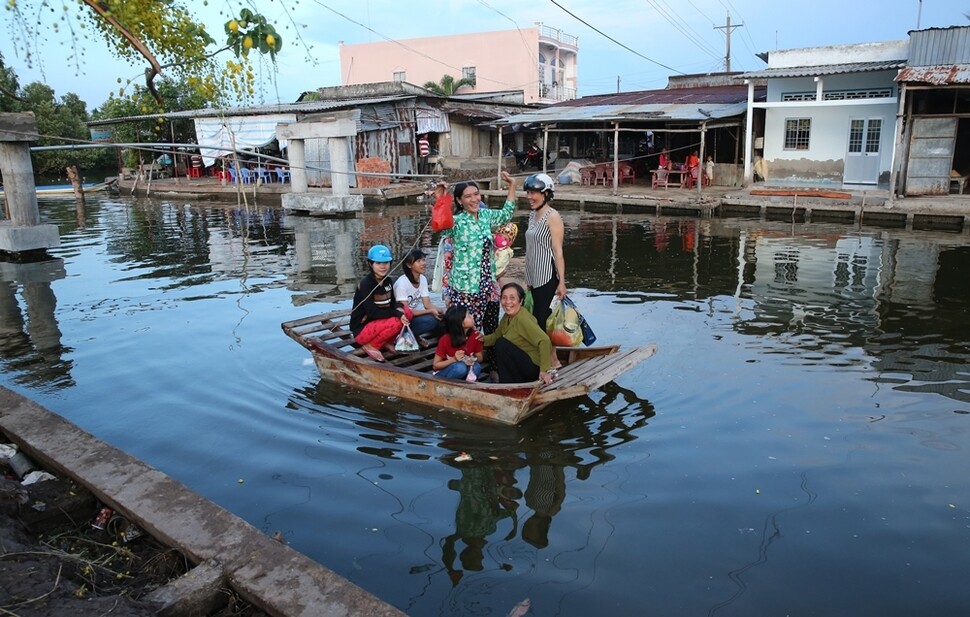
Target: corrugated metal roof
{"points": [[709, 95], [689, 104], [939, 46], [617, 113], [826, 69], [936, 75], [307, 107]]}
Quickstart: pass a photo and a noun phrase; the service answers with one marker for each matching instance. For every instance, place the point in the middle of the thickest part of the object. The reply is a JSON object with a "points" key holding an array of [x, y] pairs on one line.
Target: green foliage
{"points": [[9, 85], [138, 102], [448, 85], [60, 123], [251, 30]]}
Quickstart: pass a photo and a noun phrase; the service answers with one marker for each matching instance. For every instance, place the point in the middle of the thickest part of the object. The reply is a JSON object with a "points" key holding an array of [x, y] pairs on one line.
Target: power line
{"points": [[601, 33], [672, 18]]}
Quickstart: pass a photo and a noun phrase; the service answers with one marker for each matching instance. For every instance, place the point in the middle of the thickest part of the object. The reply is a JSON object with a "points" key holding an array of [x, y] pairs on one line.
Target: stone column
{"points": [[22, 232], [335, 128]]}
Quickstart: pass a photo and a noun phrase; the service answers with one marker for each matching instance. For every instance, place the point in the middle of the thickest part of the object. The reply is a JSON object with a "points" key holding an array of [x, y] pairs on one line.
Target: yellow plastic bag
{"points": [[563, 325]]}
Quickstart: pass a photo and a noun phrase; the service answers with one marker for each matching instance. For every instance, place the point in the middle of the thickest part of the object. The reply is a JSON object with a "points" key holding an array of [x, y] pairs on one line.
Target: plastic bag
{"points": [[405, 341], [588, 336], [442, 215], [442, 265], [563, 325]]}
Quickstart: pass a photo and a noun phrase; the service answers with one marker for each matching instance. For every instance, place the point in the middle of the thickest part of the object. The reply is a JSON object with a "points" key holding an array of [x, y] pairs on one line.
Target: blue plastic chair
{"points": [[247, 175], [284, 174], [264, 175]]}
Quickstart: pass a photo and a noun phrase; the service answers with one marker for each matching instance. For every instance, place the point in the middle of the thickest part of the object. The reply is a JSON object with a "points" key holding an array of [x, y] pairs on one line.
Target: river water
{"points": [[798, 446]]}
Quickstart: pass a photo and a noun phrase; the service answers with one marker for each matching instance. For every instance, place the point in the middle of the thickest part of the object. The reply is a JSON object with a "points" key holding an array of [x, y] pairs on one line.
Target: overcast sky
{"points": [[679, 34]]}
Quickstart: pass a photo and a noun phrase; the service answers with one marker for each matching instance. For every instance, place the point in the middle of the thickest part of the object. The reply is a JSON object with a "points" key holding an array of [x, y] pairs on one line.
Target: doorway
{"points": [[862, 158]]}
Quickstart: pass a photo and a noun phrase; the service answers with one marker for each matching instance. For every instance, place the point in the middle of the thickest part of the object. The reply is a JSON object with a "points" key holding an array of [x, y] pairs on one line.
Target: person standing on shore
{"points": [[424, 151]]}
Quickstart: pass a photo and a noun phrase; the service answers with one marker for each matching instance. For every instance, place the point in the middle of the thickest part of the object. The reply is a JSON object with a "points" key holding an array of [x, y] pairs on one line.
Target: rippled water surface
{"points": [[798, 445]]}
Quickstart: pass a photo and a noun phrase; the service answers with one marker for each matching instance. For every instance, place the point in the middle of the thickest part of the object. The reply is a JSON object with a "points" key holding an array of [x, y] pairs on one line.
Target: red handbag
{"points": [[442, 216]]}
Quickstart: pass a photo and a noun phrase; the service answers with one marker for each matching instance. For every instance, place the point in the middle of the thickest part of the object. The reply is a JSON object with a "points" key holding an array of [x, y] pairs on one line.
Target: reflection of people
{"points": [[486, 496], [471, 281], [459, 354], [545, 269], [411, 288], [522, 348], [375, 319], [545, 494]]}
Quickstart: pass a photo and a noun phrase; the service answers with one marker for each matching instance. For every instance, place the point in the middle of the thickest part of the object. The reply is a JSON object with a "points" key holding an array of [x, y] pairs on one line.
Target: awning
{"points": [[216, 136], [939, 75]]}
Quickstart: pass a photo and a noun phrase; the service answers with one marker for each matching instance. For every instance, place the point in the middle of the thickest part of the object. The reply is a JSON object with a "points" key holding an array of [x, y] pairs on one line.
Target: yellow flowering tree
{"points": [[161, 34]]}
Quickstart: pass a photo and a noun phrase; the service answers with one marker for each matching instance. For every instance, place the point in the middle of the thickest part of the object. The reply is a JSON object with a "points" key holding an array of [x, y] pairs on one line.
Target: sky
{"points": [[651, 39]]}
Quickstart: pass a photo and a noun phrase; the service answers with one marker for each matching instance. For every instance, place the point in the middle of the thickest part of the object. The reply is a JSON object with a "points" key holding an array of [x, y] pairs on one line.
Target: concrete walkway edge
{"points": [[267, 573]]}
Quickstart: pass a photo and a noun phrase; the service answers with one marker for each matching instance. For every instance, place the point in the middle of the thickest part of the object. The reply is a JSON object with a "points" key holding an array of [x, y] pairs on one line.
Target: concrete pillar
{"points": [[335, 128], [339, 165], [22, 232], [297, 155]]}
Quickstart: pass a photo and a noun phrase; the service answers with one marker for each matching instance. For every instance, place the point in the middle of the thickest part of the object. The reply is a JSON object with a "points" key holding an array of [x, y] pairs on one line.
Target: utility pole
{"points": [[617, 84], [727, 52]]}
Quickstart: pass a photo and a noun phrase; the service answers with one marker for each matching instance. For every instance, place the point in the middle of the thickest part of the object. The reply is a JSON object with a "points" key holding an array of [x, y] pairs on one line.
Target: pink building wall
{"points": [[503, 60]]}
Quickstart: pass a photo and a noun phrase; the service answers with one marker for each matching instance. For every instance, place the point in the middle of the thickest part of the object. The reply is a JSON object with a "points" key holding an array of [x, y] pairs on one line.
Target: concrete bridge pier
{"points": [[21, 231], [336, 128]]}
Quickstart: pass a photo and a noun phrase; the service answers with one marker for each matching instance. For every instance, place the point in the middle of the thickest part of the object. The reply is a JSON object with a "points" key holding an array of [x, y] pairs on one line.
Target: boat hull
{"points": [[408, 376]]}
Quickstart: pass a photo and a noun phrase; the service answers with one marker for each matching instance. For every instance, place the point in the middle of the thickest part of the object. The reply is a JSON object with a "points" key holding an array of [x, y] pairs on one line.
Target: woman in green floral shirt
{"points": [[471, 280]]}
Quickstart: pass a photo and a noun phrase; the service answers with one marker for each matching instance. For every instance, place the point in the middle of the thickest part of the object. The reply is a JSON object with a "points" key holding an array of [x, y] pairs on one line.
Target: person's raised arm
{"points": [[507, 178]]}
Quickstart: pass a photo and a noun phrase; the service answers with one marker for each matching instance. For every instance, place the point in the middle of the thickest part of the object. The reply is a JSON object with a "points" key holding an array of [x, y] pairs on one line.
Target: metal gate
{"points": [[931, 156]]}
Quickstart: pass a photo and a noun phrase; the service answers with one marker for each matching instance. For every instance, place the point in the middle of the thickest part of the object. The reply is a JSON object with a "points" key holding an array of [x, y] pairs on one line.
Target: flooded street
{"points": [[799, 445]]}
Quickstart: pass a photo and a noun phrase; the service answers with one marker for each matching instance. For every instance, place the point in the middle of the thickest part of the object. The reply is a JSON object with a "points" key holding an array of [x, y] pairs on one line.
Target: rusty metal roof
{"points": [[687, 104], [940, 75], [826, 69]]}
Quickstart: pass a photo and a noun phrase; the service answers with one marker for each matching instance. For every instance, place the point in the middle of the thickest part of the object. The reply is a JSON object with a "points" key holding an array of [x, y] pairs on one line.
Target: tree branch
{"points": [[155, 68]]}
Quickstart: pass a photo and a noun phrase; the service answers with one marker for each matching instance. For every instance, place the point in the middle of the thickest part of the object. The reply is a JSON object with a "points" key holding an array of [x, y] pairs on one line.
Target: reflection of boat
{"points": [[408, 376], [58, 190]]}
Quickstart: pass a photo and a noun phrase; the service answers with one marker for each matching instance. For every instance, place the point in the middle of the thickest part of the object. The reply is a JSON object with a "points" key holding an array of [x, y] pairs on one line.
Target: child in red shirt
{"points": [[459, 354]]}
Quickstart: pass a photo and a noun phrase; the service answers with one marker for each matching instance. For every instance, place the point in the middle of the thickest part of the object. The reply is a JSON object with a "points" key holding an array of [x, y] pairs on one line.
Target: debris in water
{"points": [[461, 458], [520, 609]]}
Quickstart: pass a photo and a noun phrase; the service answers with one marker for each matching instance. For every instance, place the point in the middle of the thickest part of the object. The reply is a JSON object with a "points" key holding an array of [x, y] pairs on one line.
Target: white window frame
{"points": [[798, 134], [400, 75], [468, 72]]}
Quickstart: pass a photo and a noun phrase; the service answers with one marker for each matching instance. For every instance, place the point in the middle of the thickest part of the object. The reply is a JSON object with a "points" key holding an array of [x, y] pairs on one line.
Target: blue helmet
{"points": [[379, 254]]}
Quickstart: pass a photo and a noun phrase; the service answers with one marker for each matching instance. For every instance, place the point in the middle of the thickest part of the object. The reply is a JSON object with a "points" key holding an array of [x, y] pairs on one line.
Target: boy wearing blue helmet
{"points": [[376, 319]]}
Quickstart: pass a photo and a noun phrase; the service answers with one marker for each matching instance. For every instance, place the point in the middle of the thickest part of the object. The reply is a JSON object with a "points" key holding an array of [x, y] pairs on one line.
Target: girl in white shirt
{"points": [[411, 289]]}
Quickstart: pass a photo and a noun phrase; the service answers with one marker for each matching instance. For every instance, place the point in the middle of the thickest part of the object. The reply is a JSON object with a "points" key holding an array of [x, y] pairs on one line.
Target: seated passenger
{"points": [[411, 289], [376, 319], [459, 354], [523, 351]]}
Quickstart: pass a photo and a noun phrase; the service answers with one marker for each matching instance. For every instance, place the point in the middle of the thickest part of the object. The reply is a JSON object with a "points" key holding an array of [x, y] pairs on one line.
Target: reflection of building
{"points": [[541, 61], [32, 346], [327, 251]]}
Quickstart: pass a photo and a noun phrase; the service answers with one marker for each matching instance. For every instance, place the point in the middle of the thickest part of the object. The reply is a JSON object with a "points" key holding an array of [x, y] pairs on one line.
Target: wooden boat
{"points": [[408, 375], [66, 190]]}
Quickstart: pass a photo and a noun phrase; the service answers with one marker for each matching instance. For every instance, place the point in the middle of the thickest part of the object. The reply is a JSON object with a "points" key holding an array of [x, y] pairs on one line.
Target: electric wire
{"points": [[673, 18], [603, 34]]}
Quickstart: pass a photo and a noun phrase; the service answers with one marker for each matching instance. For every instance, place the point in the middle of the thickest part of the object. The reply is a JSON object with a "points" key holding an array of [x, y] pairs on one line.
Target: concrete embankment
{"points": [[226, 550]]}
